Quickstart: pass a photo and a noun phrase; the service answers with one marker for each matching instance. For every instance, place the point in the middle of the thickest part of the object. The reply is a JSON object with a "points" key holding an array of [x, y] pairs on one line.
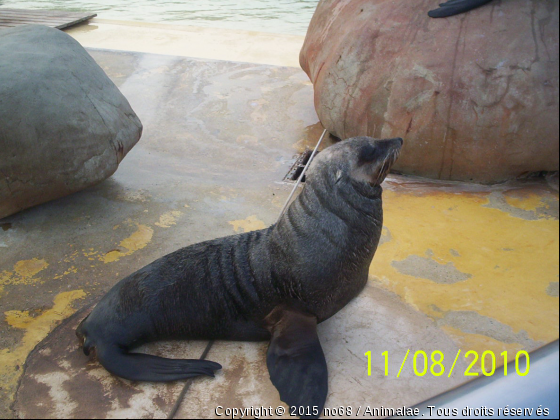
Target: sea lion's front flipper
{"points": [[296, 362], [455, 7]]}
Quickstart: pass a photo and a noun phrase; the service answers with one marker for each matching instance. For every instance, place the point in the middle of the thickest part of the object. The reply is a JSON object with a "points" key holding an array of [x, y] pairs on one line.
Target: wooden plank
{"points": [[33, 17], [10, 18], [75, 22], [40, 12], [53, 24], [37, 19], [48, 22], [26, 14]]}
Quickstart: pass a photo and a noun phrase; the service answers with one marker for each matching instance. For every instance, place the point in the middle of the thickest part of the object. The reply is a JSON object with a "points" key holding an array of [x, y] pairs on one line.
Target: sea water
{"points": [[277, 16]]}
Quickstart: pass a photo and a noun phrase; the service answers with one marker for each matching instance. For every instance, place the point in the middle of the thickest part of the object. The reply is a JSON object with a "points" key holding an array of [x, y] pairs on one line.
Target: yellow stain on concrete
{"points": [[169, 219], [72, 257], [136, 196], [27, 269], [24, 272], [71, 270], [511, 261], [36, 329], [247, 225], [138, 240], [480, 344], [532, 202], [225, 194]]}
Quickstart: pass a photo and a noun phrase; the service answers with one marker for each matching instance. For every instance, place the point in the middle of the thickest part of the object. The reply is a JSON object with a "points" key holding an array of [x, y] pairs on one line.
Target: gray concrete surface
{"points": [[219, 138]]}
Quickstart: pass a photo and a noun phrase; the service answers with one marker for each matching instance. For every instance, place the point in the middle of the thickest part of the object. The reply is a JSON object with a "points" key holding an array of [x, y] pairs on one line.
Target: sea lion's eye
{"points": [[368, 154]]}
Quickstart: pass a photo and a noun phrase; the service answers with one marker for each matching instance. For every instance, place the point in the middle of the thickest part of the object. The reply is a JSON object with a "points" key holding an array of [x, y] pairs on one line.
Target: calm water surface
{"points": [[278, 16]]}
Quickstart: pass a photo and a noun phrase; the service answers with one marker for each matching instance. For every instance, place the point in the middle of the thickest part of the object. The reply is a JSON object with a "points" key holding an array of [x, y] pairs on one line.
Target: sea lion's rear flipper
{"points": [[455, 7], [144, 367], [296, 362]]}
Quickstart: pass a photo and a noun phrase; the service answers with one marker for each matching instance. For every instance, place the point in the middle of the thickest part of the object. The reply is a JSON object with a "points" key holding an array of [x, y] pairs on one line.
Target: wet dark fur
{"points": [[314, 260]]}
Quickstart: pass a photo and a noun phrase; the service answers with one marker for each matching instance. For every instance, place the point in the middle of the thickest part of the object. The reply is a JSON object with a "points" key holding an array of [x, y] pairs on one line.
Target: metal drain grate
{"points": [[297, 168]]}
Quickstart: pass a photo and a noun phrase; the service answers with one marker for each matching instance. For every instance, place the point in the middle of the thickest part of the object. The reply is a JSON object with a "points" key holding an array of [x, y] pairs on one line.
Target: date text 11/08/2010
{"points": [[421, 364]]}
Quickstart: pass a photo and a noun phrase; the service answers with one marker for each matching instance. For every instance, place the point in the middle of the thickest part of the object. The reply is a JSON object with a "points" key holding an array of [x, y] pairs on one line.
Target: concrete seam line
{"points": [[183, 393], [211, 343]]}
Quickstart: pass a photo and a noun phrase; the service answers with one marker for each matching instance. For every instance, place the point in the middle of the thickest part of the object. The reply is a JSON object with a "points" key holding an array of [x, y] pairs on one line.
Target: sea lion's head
{"points": [[362, 160]]}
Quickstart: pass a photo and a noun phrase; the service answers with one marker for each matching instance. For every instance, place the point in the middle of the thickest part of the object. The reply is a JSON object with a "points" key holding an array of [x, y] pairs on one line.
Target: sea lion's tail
{"points": [[144, 367]]}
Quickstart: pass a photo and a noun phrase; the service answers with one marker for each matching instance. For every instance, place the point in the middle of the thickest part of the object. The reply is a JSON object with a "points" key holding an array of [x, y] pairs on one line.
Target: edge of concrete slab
{"points": [[190, 41]]}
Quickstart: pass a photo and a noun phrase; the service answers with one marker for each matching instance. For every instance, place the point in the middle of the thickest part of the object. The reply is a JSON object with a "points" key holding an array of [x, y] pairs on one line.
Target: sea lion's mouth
{"points": [[388, 162]]}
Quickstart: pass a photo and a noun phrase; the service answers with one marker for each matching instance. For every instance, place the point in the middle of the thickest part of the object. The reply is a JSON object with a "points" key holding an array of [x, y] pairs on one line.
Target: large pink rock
{"points": [[475, 96]]}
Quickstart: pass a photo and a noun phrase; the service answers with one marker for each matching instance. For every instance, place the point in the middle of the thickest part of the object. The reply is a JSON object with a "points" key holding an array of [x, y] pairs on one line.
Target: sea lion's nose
{"points": [[394, 140]]}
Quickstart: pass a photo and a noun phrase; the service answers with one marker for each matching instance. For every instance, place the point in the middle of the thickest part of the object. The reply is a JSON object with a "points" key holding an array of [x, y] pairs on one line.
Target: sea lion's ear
{"points": [[296, 362]]}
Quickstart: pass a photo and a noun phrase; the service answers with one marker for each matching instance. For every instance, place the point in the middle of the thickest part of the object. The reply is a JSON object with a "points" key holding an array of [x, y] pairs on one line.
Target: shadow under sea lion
{"points": [[274, 284]]}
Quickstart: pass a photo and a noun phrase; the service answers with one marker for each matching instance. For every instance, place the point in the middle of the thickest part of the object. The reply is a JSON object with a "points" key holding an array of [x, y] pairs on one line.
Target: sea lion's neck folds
{"points": [[348, 214]]}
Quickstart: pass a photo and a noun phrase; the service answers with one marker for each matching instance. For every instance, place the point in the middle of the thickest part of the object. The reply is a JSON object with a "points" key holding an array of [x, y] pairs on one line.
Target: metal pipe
{"points": [[301, 176]]}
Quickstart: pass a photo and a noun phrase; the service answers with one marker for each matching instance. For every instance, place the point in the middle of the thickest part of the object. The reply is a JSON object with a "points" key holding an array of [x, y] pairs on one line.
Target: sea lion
{"points": [[455, 7], [274, 284]]}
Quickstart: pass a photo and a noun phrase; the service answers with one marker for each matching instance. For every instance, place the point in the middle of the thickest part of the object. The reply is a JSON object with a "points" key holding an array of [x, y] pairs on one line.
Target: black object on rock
{"points": [[64, 125], [455, 7]]}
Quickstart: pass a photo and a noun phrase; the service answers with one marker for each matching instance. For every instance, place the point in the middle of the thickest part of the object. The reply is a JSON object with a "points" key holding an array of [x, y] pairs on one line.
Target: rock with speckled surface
{"points": [[475, 96], [64, 125]]}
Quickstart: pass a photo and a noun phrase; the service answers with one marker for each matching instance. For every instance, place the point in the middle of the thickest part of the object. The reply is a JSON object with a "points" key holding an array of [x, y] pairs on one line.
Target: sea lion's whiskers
{"points": [[383, 170]]}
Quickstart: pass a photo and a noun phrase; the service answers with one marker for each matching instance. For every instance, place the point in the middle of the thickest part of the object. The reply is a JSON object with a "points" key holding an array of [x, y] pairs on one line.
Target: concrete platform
{"points": [[190, 41], [460, 267]]}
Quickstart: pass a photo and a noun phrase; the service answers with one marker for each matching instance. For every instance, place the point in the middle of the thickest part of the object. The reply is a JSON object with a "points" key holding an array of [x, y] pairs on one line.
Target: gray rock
{"points": [[64, 125]]}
